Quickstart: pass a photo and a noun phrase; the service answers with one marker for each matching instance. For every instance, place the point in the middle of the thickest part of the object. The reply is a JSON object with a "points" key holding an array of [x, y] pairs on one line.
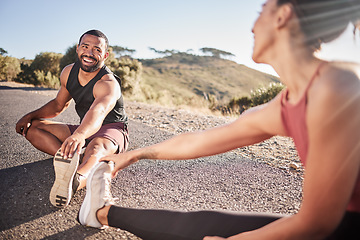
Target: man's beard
{"points": [[89, 69]]}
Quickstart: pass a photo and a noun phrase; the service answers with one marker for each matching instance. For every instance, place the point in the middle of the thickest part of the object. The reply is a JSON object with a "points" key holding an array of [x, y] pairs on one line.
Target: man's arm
{"points": [[106, 92], [50, 109]]}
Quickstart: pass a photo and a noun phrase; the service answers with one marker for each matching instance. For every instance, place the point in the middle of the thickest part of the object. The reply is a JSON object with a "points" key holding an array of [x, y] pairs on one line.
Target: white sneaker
{"points": [[62, 190], [97, 194]]}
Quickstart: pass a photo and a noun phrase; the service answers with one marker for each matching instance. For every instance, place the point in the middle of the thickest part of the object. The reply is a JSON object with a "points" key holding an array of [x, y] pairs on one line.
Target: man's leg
{"points": [[69, 177], [47, 136], [98, 147]]}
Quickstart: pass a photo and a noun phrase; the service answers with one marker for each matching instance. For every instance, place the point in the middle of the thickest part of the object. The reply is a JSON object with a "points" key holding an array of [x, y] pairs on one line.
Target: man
{"points": [[103, 122]]}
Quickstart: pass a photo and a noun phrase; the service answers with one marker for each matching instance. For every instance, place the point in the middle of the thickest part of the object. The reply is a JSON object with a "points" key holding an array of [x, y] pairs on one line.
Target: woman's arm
{"points": [[251, 127]]}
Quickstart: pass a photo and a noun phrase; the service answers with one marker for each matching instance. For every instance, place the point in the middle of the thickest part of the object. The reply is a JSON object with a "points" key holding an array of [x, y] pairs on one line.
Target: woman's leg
{"points": [[177, 225], [159, 224]]}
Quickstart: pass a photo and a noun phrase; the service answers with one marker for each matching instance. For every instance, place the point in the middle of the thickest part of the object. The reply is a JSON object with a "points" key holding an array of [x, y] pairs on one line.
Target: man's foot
{"points": [[66, 180], [97, 194]]}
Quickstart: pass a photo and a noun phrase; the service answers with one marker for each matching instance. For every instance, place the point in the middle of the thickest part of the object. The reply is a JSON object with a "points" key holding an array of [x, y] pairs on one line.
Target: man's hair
{"points": [[97, 33]]}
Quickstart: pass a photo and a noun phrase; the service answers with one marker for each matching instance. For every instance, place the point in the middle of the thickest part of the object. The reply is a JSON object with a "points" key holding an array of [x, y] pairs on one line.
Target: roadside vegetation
{"points": [[177, 79]]}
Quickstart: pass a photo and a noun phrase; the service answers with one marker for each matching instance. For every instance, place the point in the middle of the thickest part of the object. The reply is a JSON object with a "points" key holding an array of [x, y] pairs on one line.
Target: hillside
{"points": [[185, 76]]}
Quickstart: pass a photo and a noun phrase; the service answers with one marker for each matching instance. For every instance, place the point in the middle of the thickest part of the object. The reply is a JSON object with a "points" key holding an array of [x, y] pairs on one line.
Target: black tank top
{"points": [[84, 97]]}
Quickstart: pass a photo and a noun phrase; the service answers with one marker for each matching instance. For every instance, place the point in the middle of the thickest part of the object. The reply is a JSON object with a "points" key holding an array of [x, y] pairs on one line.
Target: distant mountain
{"points": [[186, 76]]}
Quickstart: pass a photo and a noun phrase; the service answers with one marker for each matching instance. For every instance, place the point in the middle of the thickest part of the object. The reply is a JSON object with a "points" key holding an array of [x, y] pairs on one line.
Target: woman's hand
{"points": [[121, 160]]}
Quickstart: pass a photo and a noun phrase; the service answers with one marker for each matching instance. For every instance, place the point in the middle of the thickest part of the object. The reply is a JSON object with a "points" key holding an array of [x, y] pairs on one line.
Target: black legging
{"points": [[177, 225], [151, 224]]}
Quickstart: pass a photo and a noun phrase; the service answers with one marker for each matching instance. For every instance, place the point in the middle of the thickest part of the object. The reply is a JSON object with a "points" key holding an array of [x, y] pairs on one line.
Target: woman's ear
{"points": [[284, 15]]}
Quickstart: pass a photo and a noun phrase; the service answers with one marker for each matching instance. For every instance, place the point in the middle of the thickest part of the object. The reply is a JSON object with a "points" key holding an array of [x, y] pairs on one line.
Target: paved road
{"points": [[222, 182]]}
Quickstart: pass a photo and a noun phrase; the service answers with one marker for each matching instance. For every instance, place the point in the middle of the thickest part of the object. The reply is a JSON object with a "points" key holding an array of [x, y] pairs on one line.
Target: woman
{"points": [[319, 109]]}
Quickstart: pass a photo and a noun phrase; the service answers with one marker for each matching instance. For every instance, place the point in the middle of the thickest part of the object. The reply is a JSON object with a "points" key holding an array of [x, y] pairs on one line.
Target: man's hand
{"points": [[72, 144], [23, 125]]}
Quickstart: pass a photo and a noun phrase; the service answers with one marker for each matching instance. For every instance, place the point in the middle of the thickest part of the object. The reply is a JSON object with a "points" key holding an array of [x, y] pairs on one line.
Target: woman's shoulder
{"points": [[337, 90], [339, 77], [343, 71], [338, 85]]}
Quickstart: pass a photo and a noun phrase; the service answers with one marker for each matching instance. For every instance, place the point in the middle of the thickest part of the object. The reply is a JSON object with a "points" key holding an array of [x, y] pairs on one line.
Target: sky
{"points": [[29, 27]]}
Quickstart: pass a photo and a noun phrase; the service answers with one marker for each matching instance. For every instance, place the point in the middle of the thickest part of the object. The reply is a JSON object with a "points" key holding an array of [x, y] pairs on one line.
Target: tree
{"points": [[216, 52], [121, 51], [3, 52], [166, 52], [69, 57]]}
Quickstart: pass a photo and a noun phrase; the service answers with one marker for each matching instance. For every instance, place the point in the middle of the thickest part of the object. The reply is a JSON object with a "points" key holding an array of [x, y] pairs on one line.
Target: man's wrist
{"points": [[79, 134]]}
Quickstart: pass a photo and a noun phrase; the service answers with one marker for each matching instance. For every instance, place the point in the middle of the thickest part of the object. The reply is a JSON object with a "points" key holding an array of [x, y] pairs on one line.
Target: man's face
{"points": [[91, 53]]}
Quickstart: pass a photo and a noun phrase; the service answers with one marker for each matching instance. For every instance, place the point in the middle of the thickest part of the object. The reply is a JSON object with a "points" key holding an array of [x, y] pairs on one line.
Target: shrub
{"points": [[47, 62], [9, 68], [26, 75], [43, 71], [238, 105], [265, 94], [259, 96], [129, 71], [46, 79]]}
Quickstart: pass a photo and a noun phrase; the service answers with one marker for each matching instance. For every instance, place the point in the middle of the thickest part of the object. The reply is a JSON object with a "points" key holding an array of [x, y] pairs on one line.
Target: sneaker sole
{"points": [[65, 169]]}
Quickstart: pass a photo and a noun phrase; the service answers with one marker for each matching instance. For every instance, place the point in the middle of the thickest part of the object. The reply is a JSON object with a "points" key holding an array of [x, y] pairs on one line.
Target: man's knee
{"points": [[33, 129], [101, 147]]}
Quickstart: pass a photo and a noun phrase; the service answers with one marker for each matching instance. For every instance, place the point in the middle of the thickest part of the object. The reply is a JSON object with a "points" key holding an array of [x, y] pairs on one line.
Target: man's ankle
{"points": [[82, 181]]}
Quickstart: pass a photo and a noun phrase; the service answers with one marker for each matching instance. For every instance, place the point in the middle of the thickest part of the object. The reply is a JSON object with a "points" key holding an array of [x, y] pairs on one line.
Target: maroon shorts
{"points": [[115, 132]]}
